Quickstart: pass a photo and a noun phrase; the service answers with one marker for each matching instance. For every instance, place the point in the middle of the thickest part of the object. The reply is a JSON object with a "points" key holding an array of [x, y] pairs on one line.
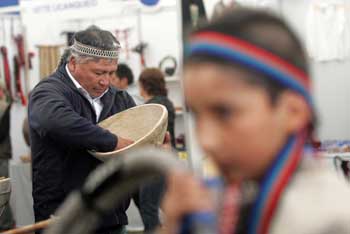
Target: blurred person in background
{"points": [[153, 90], [124, 79], [149, 196]]}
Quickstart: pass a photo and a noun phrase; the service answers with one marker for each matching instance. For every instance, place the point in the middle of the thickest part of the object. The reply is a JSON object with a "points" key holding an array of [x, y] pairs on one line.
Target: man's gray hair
{"points": [[99, 42]]}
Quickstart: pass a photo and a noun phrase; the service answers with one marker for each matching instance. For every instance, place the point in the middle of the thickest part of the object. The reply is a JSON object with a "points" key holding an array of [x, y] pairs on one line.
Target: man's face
{"points": [[94, 75], [236, 124]]}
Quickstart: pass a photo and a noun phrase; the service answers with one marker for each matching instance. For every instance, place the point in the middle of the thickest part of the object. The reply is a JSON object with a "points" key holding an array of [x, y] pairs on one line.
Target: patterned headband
{"points": [[245, 53], [95, 52]]}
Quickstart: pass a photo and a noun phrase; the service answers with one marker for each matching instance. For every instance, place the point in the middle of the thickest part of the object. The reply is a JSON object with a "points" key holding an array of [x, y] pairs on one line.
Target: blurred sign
{"points": [[83, 9], [67, 9], [150, 2]]}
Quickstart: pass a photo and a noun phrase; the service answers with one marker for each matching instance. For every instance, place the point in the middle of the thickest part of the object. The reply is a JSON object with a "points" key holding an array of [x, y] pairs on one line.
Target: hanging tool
{"points": [[141, 46], [168, 70], [123, 35], [30, 57], [22, 62], [19, 62], [193, 13], [17, 72], [140, 49], [20, 48], [7, 73], [126, 37]]}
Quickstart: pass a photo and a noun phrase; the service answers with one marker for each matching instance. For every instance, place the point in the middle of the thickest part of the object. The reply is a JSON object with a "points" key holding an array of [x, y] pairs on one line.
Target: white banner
{"points": [[83, 9], [69, 9]]}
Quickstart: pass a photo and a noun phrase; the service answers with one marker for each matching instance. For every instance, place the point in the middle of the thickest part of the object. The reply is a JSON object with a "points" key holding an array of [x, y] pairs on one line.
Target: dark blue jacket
{"points": [[62, 128], [165, 101]]}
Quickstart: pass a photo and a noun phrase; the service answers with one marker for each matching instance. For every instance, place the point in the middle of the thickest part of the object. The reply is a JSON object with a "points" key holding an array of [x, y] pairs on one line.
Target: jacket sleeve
{"points": [[51, 114]]}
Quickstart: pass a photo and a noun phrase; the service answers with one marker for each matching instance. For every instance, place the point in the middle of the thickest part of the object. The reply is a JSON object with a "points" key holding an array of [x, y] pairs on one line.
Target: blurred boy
{"points": [[247, 84]]}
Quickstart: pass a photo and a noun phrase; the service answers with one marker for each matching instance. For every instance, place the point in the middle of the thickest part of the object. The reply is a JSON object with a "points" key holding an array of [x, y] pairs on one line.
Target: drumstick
{"points": [[30, 228], [108, 185]]}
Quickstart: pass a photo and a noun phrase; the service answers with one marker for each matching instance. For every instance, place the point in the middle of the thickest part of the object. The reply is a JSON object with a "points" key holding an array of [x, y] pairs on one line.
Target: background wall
{"points": [[331, 79], [160, 29], [157, 26]]}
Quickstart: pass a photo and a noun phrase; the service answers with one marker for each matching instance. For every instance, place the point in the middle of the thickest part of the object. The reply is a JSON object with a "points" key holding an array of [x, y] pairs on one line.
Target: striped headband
{"points": [[245, 53], [95, 52]]}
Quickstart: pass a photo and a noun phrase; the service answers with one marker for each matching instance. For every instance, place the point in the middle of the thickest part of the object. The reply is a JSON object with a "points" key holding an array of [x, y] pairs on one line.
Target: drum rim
{"points": [[161, 119]]}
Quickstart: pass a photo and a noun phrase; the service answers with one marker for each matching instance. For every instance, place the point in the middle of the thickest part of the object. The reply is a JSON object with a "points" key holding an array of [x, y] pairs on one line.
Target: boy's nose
{"points": [[207, 137]]}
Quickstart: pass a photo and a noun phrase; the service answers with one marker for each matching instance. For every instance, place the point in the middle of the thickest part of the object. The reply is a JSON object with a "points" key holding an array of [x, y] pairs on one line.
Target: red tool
{"points": [[19, 62], [17, 71], [6, 69], [20, 47]]}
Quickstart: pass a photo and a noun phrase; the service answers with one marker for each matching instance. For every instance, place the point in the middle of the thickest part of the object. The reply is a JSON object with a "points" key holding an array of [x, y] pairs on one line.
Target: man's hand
{"points": [[122, 143], [167, 142]]}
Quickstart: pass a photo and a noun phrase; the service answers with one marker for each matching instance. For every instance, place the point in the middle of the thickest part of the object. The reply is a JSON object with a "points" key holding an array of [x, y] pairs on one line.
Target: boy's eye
{"points": [[222, 112], [193, 113], [191, 110]]}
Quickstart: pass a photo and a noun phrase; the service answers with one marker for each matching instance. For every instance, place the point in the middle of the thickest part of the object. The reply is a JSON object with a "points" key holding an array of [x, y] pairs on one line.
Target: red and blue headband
{"points": [[239, 51]]}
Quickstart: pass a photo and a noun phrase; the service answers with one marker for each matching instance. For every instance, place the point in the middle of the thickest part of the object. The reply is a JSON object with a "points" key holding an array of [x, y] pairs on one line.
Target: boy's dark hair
{"points": [[124, 71], [152, 81], [264, 30]]}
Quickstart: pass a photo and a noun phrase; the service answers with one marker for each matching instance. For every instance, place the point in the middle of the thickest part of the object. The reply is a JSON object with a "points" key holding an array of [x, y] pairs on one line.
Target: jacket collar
{"points": [[108, 99], [62, 73]]}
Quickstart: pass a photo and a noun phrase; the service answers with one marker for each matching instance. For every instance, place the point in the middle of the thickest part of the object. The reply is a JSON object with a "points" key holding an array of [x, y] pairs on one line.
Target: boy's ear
{"points": [[294, 110]]}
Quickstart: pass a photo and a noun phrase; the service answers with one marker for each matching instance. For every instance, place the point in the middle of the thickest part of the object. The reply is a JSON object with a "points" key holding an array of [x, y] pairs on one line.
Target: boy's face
{"points": [[119, 82], [236, 123]]}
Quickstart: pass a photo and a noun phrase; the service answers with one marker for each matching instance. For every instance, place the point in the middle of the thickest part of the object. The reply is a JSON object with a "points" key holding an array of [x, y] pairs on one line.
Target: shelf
{"points": [[179, 110], [332, 155], [172, 79]]}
